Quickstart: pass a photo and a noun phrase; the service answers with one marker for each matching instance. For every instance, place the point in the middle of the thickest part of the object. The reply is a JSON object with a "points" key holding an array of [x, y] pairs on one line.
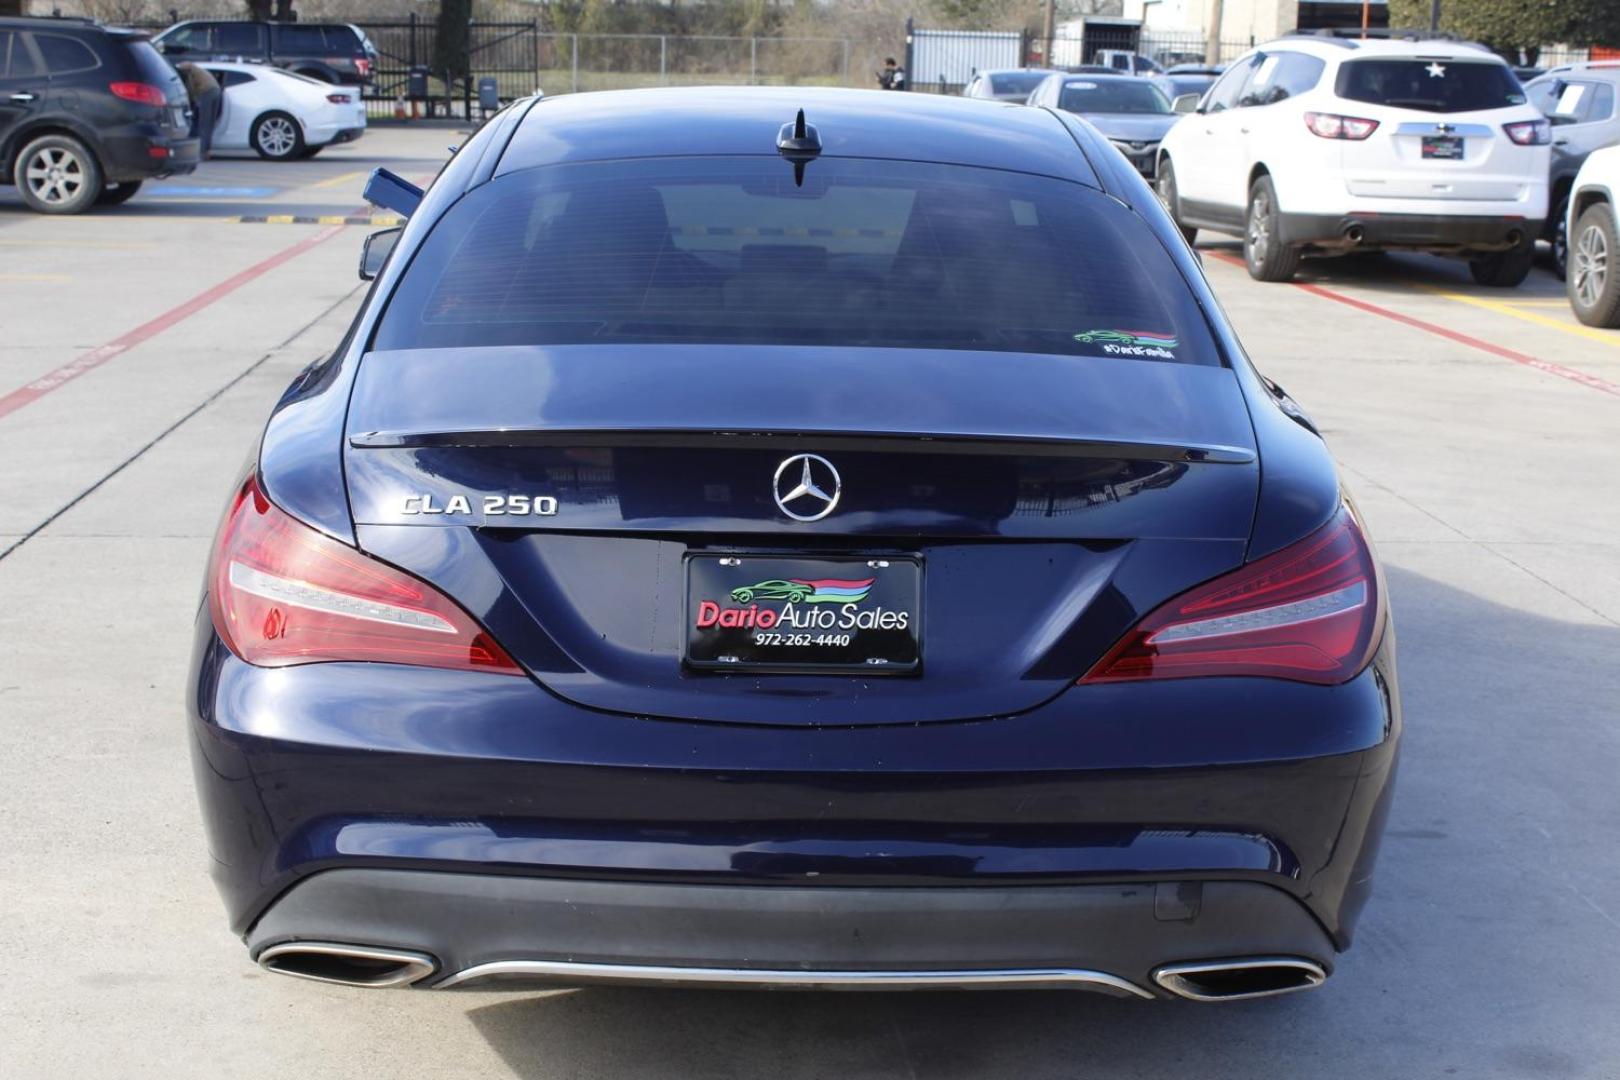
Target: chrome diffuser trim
{"points": [[1013, 978], [1175, 977], [414, 966]]}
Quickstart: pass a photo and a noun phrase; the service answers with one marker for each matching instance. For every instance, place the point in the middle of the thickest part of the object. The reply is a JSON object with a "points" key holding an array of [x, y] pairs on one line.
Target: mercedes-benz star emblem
{"points": [[807, 487]]}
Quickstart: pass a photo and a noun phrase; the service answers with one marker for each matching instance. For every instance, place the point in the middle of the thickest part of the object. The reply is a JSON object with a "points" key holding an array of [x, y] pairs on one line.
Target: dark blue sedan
{"points": [[1089, 681]]}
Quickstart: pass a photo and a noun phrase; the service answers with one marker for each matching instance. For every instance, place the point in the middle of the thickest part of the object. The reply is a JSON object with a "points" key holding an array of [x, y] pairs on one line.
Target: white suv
{"points": [[1593, 277], [1313, 145]]}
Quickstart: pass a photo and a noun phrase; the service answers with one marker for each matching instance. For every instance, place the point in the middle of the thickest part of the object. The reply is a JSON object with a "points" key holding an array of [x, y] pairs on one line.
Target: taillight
{"points": [[1334, 126], [362, 65], [139, 92], [1310, 612], [282, 593], [1529, 132], [338, 99]]}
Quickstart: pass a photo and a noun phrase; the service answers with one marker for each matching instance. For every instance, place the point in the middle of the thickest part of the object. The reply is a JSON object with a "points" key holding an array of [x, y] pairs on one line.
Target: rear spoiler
{"points": [[1145, 450]]}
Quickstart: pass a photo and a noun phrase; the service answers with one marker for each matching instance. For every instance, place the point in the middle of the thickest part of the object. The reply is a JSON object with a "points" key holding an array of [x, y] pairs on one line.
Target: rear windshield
{"points": [[151, 65], [1445, 86], [729, 250], [1113, 96], [1016, 82]]}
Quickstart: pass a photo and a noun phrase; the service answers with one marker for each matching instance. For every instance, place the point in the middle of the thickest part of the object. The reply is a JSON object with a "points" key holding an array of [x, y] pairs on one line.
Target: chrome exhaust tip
{"points": [[1240, 980], [347, 965]]}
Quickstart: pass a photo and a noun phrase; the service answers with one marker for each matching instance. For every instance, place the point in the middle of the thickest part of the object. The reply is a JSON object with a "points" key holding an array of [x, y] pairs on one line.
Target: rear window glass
{"points": [[151, 65], [1444, 85], [729, 250], [301, 39], [1016, 82], [1113, 96]]}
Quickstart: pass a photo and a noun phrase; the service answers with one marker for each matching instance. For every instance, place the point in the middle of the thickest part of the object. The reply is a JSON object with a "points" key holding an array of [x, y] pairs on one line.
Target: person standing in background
{"points": [[892, 77], [206, 98]]}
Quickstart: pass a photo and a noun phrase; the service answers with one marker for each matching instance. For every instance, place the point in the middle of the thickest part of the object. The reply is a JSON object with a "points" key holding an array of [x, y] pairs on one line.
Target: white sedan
{"points": [[280, 115]]}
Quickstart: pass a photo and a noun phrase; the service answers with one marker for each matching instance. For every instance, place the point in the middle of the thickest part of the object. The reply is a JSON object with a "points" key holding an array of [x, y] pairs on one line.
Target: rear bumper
{"points": [[494, 931], [482, 786], [147, 151], [1420, 232]]}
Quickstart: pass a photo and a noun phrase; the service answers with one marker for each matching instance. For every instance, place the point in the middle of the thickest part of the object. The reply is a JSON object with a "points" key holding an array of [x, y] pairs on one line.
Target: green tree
{"points": [[1518, 24], [451, 40]]}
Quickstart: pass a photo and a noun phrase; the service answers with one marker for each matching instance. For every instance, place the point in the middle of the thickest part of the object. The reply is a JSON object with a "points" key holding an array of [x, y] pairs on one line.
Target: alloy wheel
{"points": [[1259, 227], [277, 137], [55, 175], [1590, 265]]}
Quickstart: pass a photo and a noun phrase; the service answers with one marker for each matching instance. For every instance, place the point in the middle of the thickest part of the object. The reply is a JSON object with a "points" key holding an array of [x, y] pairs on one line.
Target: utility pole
{"points": [[1048, 29], [1212, 46], [1434, 16]]}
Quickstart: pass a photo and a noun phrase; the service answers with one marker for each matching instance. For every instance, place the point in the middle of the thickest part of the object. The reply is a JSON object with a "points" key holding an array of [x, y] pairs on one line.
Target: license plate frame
{"points": [[1444, 147], [862, 598]]}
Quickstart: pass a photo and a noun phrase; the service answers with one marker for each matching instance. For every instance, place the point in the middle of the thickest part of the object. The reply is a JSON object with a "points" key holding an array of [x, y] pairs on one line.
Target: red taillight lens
{"points": [[282, 593], [1310, 613], [1530, 132], [338, 99], [1334, 126], [139, 92], [362, 65]]}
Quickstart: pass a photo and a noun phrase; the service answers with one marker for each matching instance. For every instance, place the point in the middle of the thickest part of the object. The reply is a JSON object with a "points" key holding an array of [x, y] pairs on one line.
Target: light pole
{"points": [[1212, 46]]}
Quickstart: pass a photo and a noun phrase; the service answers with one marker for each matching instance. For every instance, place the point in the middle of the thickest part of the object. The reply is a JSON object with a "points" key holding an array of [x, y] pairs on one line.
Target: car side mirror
{"points": [[379, 245], [1185, 103]]}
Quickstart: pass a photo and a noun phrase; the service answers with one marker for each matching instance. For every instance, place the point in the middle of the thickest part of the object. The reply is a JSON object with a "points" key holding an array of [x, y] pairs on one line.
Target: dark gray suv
{"points": [[1580, 102]]}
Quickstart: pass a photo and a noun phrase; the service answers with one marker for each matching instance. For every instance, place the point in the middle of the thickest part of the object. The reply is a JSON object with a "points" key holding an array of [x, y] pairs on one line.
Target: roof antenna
{"points": [[800, 143]]}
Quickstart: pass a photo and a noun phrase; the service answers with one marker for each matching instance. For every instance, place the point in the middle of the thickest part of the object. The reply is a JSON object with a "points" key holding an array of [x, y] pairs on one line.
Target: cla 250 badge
{"points": [[493, 505]]}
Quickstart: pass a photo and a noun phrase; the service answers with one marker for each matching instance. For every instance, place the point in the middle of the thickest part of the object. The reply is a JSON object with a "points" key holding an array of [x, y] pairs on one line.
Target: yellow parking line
{"points": [[35, 277], [1536, 303], [1605, 337], [341, 178]]}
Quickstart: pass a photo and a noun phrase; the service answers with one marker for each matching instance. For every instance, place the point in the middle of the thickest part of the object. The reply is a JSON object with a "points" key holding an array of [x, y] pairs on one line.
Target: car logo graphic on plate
{"points": [[806, 487]]}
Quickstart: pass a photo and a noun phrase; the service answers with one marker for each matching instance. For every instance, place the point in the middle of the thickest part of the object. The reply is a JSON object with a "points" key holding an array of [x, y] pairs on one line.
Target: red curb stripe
{"points": [[1535, 362], [33, 391]]}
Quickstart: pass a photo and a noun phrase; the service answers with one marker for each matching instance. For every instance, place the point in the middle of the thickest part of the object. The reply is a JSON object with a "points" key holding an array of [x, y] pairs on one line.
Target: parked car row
{"points": [[88, 113]]}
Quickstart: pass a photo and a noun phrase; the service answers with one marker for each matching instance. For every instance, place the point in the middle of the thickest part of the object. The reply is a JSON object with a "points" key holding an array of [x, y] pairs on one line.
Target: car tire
{"points": [[276, 136], [1558, 237], [1504, 269], [1264, 253], [1594, 289], [1165, 185], [119, 193], [58, 174]]}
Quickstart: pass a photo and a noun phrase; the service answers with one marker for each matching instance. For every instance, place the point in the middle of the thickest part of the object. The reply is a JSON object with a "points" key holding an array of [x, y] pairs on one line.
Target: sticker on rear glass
{"points": [[1131, 342]]}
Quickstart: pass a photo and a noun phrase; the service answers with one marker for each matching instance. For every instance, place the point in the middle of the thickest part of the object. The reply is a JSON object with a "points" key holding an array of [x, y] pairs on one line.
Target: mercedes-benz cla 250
{"points": [[848, 548]]}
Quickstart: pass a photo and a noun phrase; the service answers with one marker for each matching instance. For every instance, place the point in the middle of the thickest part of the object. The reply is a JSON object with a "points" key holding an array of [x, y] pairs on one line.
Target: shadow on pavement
{"points": [[1488, 949]]}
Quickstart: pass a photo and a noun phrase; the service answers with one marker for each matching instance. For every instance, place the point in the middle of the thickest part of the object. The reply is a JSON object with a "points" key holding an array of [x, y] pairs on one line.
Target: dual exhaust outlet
{"points": [[1354, 234], [374, 968]]}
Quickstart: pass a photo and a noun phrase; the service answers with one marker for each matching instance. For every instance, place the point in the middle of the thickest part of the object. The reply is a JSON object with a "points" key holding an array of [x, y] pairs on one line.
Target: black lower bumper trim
{"points": [[493, 930], [1422, 232]]}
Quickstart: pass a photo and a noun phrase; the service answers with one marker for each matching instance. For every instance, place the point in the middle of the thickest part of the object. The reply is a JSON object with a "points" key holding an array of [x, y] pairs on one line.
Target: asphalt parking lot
{"points": [[143, 347]]}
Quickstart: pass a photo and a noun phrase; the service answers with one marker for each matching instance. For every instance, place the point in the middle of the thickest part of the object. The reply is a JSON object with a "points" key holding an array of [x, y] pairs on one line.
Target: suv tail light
{"points": [[1530, 132], [1310, 612], [282, 593], [1334, 126], [139, 92], [362, 66]]}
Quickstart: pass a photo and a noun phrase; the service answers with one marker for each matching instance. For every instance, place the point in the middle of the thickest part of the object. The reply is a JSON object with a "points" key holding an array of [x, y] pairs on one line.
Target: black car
{"points": [[87, 113], [1580, 101], [785, 536], [330, 52]]}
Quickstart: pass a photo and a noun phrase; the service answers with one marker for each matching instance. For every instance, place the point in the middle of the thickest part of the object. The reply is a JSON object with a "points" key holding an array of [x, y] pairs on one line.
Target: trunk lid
{"points": [[1050, 501]]}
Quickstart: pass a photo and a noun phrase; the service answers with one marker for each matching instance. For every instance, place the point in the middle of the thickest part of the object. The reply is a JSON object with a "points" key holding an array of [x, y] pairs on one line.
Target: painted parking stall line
{"points": [[31, 392], [1591, 382]]}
